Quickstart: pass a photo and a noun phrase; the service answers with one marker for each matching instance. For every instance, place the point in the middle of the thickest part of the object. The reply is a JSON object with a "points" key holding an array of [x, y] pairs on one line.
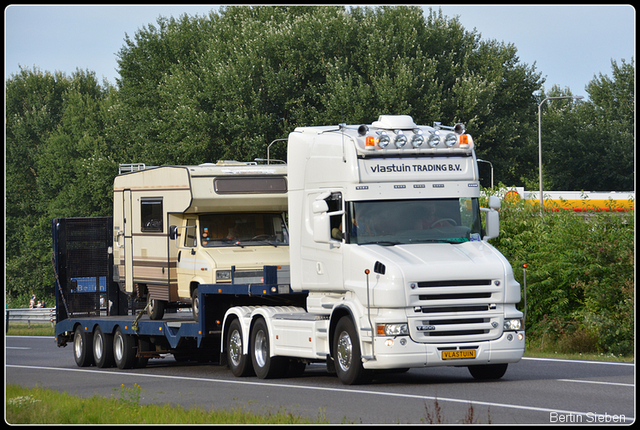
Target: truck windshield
{"points": [[397, 222], [252, 229]]}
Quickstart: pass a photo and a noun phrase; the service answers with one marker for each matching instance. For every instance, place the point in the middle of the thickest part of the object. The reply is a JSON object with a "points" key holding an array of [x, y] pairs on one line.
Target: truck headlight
{"points": [[450, 139], [418, 139], [392, 329], [513, 324], [400, 139], [383, 139], [434, 140]]}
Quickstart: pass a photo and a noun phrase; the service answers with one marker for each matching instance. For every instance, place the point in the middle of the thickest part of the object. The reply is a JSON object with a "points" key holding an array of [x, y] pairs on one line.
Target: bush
{"points": [[580, 275]]}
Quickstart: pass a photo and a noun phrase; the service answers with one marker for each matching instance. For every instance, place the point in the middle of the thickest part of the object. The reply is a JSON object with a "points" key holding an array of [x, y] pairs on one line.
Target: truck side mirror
{"points": [[322, 228], [494, 202], [173, 232], [492, 219], [320, 206], [493, 225]]}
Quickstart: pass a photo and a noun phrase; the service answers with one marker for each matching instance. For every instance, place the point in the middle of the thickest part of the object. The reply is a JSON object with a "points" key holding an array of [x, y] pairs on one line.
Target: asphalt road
{"points": [[533, 391]]}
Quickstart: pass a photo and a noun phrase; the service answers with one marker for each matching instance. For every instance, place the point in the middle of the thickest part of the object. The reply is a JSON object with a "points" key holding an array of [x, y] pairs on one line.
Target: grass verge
{"points": [[45, 406], [36, 329]]}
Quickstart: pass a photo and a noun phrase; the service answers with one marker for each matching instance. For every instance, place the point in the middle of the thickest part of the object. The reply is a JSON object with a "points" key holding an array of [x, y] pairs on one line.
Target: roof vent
{"points": [[394, 122]]}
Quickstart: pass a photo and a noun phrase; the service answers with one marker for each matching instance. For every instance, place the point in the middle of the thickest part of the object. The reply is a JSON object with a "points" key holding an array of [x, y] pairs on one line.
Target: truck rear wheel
{"points": [[239, 364], [82, 347], [102, 348], [264, 365], [124, 350], [488, 371], [347, 355]]}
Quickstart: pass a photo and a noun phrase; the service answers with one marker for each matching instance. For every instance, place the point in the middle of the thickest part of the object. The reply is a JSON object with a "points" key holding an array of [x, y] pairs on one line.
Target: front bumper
{"points": [[402, 352]]}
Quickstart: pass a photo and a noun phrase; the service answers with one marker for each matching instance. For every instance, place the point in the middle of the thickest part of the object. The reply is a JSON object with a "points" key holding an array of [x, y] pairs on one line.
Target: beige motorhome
{"points": [[178, 227]]}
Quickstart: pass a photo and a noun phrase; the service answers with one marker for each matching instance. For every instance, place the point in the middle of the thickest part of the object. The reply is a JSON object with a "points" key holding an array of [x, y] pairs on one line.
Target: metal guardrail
{"points": [[36, 315]]}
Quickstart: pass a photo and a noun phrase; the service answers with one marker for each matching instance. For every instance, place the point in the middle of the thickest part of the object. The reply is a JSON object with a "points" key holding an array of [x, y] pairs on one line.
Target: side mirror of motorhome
{"points": [[173, 232]]}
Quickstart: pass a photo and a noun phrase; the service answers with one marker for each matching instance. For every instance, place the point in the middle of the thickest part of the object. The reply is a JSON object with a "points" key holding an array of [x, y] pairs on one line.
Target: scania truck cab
{"points": [[387, 238]]}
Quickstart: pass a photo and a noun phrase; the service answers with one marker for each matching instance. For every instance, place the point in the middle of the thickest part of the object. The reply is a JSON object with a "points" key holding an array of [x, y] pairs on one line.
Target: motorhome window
{"points": [[151, 214], [240, 229], [190, 234], [397, 222], [250, 185]]}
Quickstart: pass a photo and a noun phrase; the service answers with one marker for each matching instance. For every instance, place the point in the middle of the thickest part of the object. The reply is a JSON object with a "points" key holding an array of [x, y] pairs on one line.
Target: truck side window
{"points": [[334, 201], [151, 214]]}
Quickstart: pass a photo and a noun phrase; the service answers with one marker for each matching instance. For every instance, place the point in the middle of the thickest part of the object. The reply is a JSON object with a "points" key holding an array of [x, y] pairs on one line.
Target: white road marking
{"points": [[338, 390], [564, 360], [597, 382]]}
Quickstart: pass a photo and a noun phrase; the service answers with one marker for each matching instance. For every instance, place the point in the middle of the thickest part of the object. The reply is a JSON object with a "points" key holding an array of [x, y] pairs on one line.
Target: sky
{"points": [[568, 45]]}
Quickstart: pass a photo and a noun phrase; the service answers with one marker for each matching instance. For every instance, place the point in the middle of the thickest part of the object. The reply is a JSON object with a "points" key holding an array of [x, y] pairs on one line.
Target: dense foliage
{"points": [[223, 86], [580, 274]]}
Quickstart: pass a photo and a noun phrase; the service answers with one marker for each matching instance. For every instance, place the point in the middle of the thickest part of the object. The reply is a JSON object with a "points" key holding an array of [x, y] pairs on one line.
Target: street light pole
{"points": [[540, 140]]}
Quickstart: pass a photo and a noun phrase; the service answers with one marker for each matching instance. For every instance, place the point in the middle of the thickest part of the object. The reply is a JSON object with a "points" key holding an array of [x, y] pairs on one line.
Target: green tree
{"points": [[53, 130], [223, 86], [590, 145]]}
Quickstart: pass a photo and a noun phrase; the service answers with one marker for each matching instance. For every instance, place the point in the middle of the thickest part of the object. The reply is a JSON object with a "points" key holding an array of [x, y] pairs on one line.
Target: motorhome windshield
{"points": [[397, 222], [252, 229]]}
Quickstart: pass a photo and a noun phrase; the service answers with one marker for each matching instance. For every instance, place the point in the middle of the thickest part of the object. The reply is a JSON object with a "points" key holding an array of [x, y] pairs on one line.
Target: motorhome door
{"points": [[128, 240]]}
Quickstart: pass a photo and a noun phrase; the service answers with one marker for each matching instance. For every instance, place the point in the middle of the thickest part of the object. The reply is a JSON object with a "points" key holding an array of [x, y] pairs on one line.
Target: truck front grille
{"points": [[457, 310]]}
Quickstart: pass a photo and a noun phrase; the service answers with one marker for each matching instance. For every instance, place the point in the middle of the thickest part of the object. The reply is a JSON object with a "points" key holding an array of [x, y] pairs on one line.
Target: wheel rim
{"points": [[77, 345], [118, 347], [345, 351], [235, 347], [98, 346], [261, 348], [151, 303]]}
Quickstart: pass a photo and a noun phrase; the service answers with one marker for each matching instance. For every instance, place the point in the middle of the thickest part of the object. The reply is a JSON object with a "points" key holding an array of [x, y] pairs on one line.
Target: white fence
{"points": [[36, 315]]}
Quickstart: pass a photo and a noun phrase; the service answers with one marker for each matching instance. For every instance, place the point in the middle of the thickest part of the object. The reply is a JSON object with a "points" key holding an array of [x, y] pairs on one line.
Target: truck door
{"points": [[128, 240], [327, 256], [186, 266]]}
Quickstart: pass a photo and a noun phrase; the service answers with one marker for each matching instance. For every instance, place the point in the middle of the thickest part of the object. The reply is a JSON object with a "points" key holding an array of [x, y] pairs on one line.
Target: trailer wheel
{"points": [[239, 364], [264, 365], [82, 347], [103, 348], [124, 350], [347, 355], [488, 371]]}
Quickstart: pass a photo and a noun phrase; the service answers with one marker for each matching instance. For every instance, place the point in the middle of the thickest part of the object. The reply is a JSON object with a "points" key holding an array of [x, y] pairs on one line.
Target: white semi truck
{"points": [[386, 267]]}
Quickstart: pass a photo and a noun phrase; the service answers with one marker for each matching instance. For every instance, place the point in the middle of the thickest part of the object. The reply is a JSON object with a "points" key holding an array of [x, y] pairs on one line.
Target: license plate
{"points": [[456, 355]]}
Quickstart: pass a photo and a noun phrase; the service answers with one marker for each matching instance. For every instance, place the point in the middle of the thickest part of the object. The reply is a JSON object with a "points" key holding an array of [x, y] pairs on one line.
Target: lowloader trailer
{"points": [[381, 262]]}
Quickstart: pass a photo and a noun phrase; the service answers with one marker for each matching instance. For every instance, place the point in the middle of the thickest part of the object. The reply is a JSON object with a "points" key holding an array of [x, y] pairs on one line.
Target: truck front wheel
{"points": [[347, 355], [239, 364], [83, 347], [124, 350], [488, 371], [264, 365]]}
